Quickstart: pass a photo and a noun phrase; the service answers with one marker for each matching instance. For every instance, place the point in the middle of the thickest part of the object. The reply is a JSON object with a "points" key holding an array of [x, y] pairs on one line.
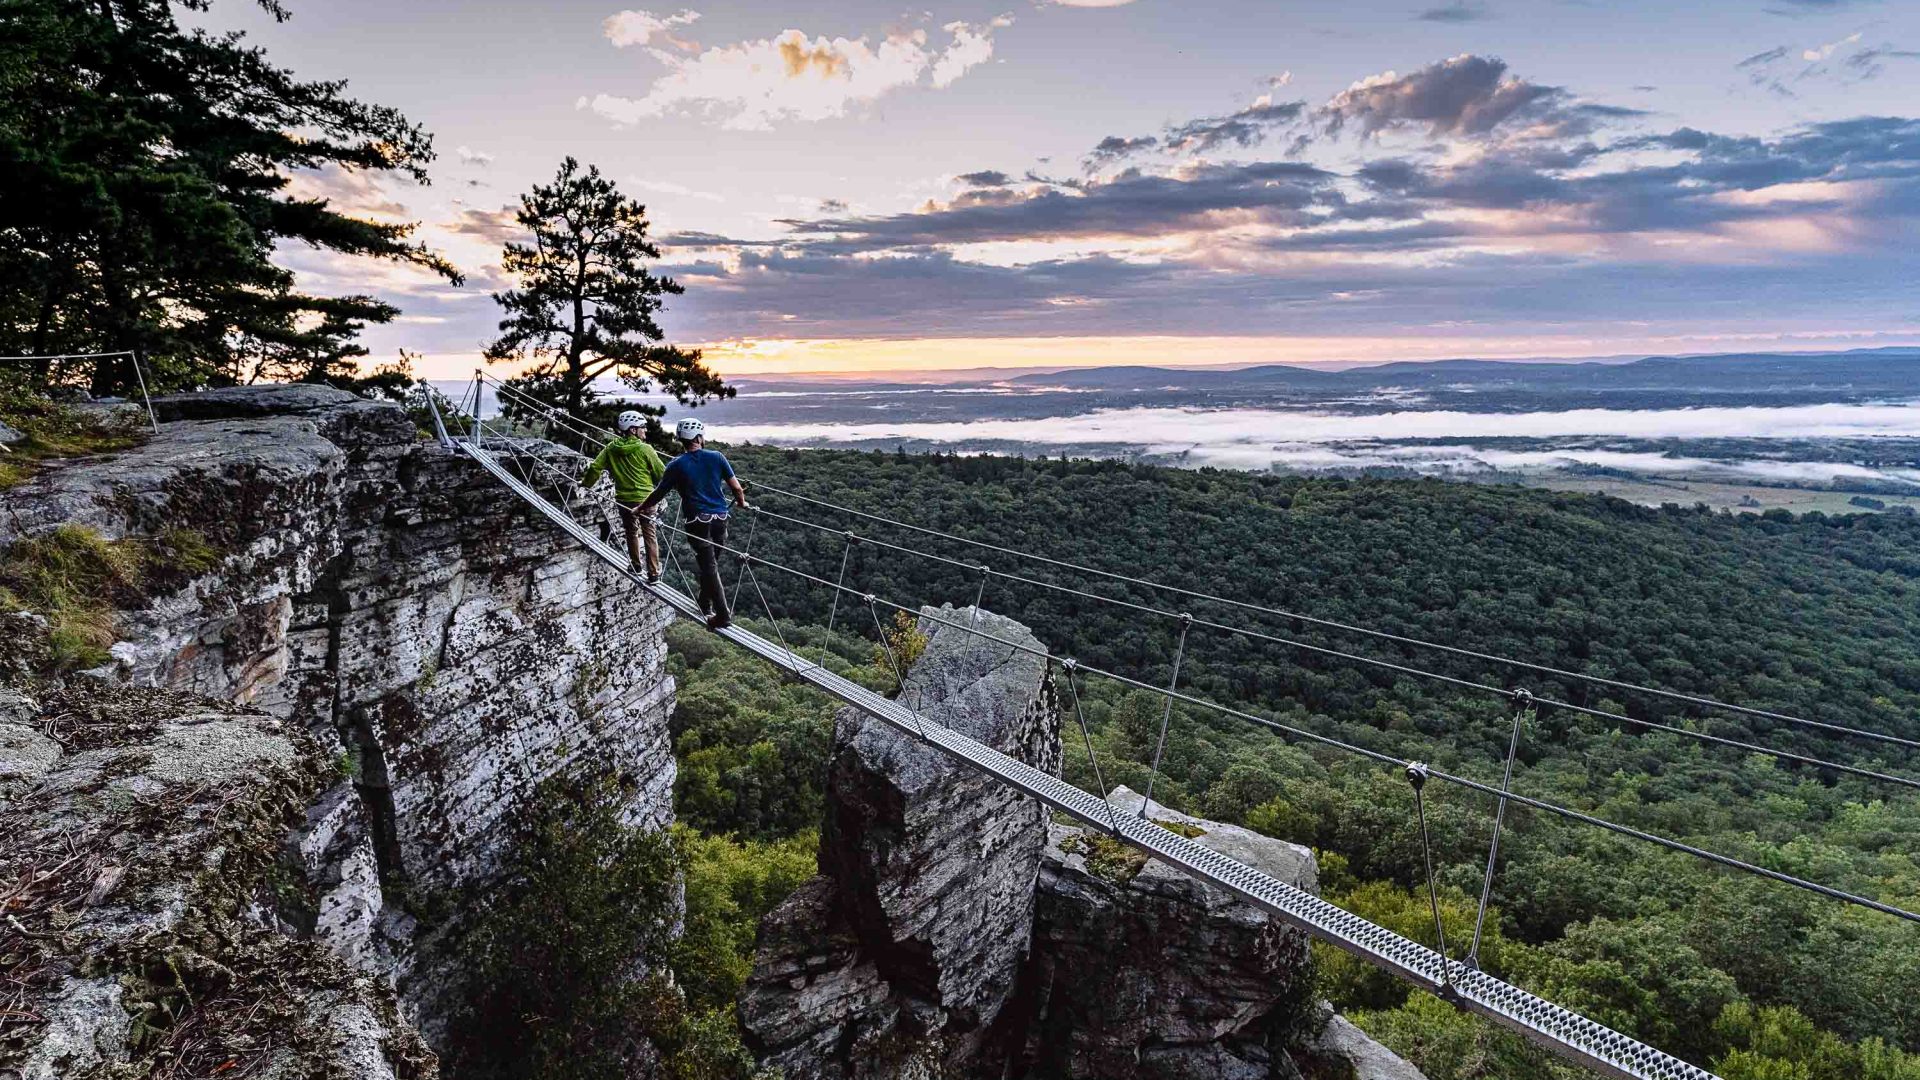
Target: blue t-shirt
{"points": [[700, 476]]}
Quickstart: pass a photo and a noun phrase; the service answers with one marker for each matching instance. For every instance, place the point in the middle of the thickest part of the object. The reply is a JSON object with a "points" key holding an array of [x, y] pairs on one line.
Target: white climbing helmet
{"points": [[629, 420], [689, 429]]}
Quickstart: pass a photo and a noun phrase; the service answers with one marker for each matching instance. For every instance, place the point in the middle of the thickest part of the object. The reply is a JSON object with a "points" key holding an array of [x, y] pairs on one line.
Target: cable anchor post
{"points": [[1417, 775], [1072, 668], [840, 583], [1166, 715], [1524, 704], [973, 620]]}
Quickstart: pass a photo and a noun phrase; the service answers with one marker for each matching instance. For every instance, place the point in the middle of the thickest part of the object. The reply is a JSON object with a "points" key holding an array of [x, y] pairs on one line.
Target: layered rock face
{"points": [[902, 958], [444, 645], [956, 931]]}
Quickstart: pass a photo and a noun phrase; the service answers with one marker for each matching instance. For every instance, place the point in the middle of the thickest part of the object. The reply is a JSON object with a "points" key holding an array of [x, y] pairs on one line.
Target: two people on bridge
{"points": [[708, 491]]}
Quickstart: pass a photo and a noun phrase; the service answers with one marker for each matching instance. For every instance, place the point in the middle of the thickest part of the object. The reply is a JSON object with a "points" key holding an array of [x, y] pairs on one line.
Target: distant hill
{"points": [[1891, 370]]}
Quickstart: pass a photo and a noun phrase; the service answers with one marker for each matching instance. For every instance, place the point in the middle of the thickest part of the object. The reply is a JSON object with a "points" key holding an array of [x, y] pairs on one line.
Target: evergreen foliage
{"points": [[587, 306], [144, 174]]}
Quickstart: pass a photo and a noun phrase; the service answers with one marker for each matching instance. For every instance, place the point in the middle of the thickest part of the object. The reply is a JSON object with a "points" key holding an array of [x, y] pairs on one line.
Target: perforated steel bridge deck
{"points": [[1567, 1033]]}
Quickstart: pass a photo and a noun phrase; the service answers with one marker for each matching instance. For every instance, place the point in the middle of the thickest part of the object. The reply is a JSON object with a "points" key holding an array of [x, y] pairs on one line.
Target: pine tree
{"points": [[587, 306], [143, 187]]}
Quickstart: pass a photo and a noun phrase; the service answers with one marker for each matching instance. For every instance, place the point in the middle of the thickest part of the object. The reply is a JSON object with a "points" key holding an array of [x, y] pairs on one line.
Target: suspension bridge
{"points": [[552, 491]]}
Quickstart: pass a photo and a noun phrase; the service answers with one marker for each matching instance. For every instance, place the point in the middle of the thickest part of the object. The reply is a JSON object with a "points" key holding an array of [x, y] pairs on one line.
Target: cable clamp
{"points": [[851, 539], [1522, 697], [871, 599], [1417, 774], [1186, 619], [1070, 664]]}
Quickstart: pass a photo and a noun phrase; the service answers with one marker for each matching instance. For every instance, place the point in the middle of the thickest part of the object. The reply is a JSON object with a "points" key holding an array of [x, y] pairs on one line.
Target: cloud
{"points": [[629, 28], [495, 227], [986, 178], [1466, 95], [1821, 52], [1457, 12], [470, 156], [1131, 204], [752, 85], [1867, 62], [668, 187], [1243, 128], [1088, 3], [1114, 147]]}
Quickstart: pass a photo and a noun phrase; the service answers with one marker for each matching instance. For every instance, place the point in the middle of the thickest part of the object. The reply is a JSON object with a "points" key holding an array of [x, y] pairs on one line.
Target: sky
{"points": [[843, 185]]}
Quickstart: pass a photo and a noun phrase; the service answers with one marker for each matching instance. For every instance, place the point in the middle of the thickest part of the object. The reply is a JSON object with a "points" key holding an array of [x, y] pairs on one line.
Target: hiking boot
{"points": [[719, 622]]}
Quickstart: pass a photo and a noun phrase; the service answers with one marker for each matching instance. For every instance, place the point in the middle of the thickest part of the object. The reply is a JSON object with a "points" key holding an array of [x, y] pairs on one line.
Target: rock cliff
{"points": [[956, 930], [384, 598]]}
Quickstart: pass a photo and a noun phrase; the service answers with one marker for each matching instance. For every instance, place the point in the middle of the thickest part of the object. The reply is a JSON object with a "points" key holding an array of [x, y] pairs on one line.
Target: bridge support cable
{"points": [[1417, 776], [1697, 700], [1575, 1037], [753, 525], [1522, 709], [1166, 715], [899, 675], [845, 554], [1343, 655], [1305, 735]]}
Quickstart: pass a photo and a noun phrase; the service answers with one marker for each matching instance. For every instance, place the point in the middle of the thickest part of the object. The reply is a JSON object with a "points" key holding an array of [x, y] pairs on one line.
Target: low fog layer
{"points": [[1258, 439]]}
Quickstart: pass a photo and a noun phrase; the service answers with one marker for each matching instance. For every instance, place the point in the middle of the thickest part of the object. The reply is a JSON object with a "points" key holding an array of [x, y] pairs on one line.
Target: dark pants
{"points": [[707, 538]]}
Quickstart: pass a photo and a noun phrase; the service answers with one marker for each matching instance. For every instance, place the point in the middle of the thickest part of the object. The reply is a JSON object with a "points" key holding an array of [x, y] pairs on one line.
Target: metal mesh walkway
{"points": [[1573, 1036]]}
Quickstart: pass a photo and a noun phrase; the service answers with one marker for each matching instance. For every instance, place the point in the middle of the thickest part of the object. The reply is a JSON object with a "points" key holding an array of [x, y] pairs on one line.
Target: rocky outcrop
{"points": [[142, 868], [956, 931], [903, 956], [1142, 971], [446, 647]]}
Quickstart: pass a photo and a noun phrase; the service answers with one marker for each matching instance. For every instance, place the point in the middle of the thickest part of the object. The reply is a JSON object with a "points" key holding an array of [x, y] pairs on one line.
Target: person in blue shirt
{"points": [[708, 491]]}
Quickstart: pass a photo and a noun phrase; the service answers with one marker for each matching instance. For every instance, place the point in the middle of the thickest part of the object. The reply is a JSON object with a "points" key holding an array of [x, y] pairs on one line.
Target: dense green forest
{"points": [[1818, 617]]}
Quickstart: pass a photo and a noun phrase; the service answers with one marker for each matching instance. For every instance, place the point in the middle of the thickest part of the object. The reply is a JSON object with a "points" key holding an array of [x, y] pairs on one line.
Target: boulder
{"points": [[1343, 1052], [1141, 971]]}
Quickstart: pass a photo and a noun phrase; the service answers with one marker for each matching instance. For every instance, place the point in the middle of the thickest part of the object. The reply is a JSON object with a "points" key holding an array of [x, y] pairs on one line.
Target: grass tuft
{"points": [[75, 579], [54, 431]]}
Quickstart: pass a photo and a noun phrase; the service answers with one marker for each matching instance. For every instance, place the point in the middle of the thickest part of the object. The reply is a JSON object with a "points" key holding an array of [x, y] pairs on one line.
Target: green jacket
{"points": [[634, 465]]}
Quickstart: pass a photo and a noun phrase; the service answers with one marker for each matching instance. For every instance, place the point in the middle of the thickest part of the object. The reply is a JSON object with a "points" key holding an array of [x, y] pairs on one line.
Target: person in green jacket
{"points": [[636, 469]]}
